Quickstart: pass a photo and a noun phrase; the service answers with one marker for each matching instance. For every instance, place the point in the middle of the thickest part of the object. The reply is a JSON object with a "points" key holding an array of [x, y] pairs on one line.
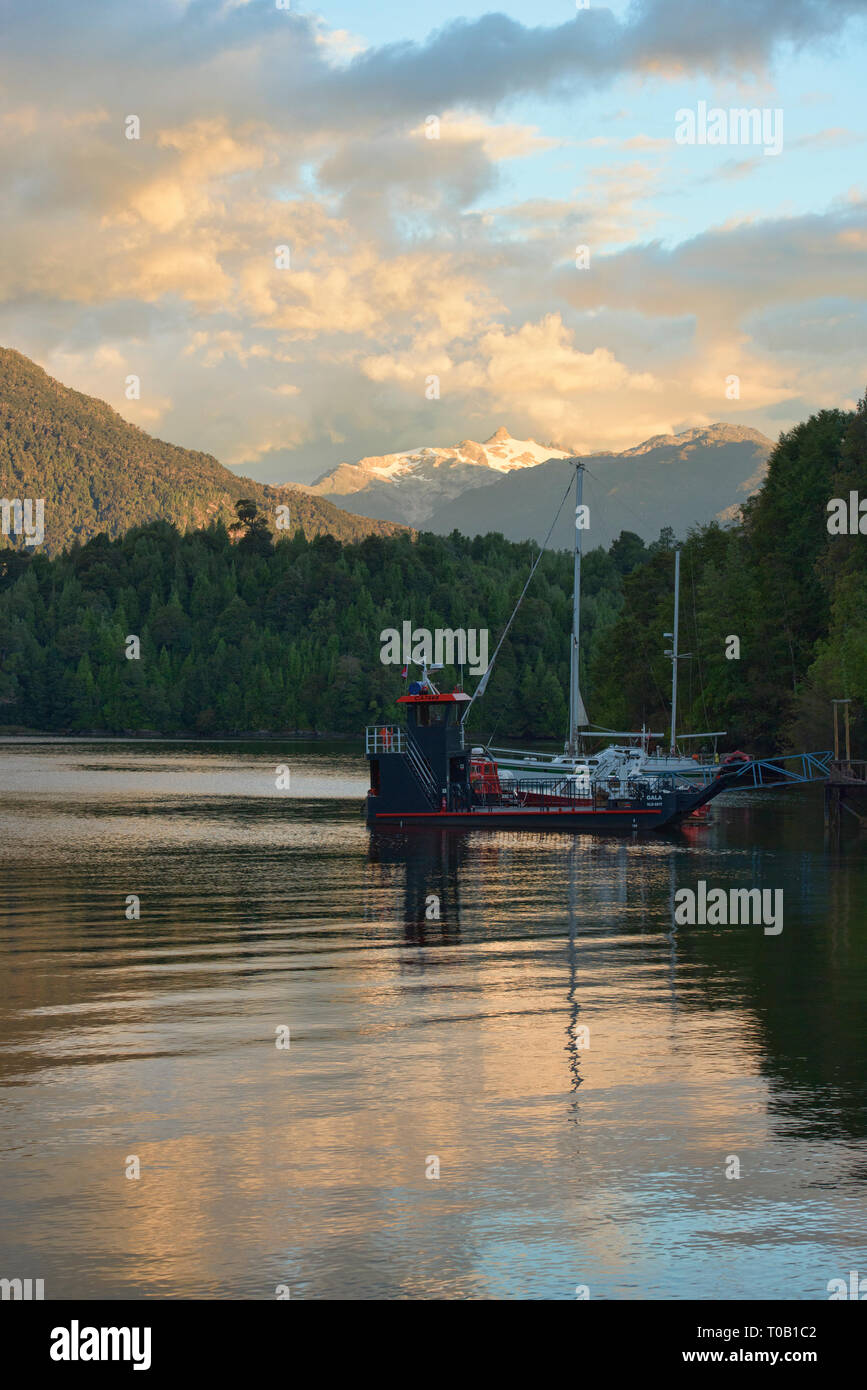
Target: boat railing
{"points": [[704, 759], [704, 762], [384, 738], [528, 792], [576, 792], [531, 758]]}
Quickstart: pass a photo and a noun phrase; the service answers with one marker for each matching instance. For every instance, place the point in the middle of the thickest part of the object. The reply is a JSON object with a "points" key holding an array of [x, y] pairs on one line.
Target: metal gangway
{"points": [[792, 769]]}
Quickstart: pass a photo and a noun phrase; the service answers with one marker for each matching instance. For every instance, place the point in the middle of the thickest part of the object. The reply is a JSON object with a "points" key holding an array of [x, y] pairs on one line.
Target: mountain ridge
{"points": [[677, 481], [434, 487], [97, 472]]}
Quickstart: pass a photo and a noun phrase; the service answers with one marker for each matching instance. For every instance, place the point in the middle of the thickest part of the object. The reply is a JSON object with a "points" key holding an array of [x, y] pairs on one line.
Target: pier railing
{"points": [[845, 770]]}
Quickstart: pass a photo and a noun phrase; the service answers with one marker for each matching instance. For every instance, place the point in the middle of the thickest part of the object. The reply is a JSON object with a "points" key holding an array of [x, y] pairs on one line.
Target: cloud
{"points": [[836, 137], [497, 142], [339, 44], [254, 55], [409, 256]]}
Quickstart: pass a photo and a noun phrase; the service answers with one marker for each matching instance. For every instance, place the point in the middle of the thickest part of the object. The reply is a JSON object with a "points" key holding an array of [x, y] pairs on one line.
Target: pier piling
{"points": [[846, 790]]}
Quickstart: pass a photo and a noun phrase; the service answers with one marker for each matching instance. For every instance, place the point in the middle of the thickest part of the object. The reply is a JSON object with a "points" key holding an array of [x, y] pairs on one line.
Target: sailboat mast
{"points": [[577, 715], [673, 748]]}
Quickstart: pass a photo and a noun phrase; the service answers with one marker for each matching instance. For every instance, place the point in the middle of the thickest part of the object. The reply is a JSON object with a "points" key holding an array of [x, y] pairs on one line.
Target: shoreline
{"points": [[173, 738]]}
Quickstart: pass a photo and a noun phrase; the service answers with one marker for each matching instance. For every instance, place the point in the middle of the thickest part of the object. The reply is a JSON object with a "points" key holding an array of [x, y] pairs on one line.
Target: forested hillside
{"points": [[283, 637], [792, 592], [97, 472]]}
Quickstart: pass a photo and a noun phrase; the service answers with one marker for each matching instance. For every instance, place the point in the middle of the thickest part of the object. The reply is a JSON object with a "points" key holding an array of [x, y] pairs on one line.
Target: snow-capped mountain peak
{"points": [[414, 482]]}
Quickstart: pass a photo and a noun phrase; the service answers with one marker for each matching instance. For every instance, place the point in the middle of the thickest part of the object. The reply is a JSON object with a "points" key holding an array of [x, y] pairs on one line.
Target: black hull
{"points": [[423, 777], [587, 822]]}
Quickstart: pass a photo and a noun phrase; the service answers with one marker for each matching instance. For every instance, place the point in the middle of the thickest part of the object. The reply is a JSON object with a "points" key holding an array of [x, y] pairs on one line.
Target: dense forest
{"points": [[792, 592], [284, 636], [239, 633]]}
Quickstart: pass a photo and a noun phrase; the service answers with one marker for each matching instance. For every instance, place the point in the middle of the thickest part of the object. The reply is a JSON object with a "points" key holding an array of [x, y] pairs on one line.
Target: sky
{"points": [[351, 231]]}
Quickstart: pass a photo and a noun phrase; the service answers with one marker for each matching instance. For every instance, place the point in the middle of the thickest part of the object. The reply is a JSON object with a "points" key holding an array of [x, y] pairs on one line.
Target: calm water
{"points": [[459, 1038]]}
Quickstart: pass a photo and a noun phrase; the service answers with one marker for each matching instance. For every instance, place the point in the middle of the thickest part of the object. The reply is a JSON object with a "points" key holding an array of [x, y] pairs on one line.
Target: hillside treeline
{"points": [[241, 636], [791, 591], [258, 635]]}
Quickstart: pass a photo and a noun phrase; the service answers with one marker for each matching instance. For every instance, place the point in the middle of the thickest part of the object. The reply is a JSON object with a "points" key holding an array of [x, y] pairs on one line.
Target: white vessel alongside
{"points": [[633, 754], [632, 757]]}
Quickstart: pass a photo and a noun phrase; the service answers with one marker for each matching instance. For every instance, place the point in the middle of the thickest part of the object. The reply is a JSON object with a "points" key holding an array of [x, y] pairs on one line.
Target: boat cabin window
{"points": [[426, 715]]}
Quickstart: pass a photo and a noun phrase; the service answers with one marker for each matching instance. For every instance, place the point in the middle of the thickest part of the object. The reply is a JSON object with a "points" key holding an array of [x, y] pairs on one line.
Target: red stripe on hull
{"points": [[602, 821], [505, 815]]}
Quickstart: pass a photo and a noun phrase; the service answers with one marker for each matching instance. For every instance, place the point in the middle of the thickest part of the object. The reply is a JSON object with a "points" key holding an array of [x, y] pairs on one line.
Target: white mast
{"points": [[577, 712], [673, 652]]}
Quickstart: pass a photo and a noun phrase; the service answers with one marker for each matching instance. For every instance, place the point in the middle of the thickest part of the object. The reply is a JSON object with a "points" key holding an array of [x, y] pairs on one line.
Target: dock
{"points": [[846, 790]]}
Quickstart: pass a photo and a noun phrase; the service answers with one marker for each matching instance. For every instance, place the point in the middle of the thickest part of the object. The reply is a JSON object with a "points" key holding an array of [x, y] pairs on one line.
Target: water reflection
{"points": [[581, 1067]]}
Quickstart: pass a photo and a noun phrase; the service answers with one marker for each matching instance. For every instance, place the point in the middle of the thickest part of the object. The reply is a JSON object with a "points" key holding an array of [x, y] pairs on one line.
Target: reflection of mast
{"points": [[574, 1007], [577, 712], [672, 931]]}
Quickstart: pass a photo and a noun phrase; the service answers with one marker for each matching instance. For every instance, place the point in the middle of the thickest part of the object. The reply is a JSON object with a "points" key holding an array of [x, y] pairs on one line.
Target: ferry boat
{"points": [[421, 773]]}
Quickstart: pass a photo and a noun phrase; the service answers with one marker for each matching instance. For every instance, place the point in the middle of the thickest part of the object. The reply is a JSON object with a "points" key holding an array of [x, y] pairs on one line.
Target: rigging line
{"points": [[663, 696], [493, 733], [643, 649], [482, 682], [597, 505]]}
